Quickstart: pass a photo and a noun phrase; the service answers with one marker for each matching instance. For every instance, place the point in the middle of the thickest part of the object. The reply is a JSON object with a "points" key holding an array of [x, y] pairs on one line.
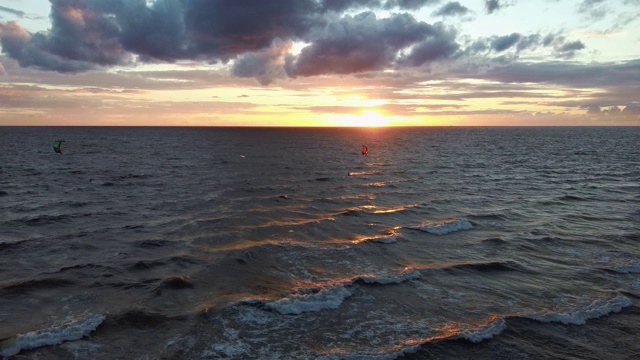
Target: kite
{"points": [[57, 146]]}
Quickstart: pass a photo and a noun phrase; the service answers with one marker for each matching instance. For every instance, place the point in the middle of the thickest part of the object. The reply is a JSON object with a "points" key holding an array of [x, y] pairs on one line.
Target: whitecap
{"points": [[446, 227], [71, 329], [390, 279], [327, 298], [596, 309], [479, 335]]}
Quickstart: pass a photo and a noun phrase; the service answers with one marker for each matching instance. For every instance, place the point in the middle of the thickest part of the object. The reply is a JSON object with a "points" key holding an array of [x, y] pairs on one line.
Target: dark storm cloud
{"points": [[451, 9]]}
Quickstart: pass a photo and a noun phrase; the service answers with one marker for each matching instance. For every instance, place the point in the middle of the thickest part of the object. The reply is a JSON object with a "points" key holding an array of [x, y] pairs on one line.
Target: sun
{"points": [[373, 118], [367, 118]]}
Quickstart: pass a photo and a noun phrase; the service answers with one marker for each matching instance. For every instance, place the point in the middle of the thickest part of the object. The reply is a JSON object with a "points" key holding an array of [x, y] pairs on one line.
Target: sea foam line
{"points": [[72, 329]]}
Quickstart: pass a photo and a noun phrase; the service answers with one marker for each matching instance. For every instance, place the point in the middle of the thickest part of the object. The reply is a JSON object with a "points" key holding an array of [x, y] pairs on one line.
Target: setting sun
{"points": [[367, 118]]}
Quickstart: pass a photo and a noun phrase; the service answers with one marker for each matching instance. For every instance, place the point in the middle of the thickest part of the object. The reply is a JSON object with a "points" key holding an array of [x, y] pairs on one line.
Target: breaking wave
{"points": [[71, 329], [330, 296], [595, 309]]}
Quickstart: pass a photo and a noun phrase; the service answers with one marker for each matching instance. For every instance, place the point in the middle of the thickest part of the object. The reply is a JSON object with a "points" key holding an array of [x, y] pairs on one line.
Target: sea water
{"points": [[287, 243]]}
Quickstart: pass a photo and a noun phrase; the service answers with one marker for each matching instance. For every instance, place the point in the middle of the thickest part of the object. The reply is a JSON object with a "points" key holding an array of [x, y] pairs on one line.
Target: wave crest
{"points": [[596, 309], [446, 227], [72, 329]]}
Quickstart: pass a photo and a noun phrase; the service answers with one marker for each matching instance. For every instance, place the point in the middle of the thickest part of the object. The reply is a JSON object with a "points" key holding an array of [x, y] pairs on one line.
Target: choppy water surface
{"points": [[227, 243]]}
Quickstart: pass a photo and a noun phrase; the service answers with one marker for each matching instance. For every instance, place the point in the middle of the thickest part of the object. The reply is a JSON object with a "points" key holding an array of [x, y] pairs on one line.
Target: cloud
{"points": [[563, 49], [94, 32], [408, 4], [492, 6], [441, 44], [595, 9], [570, 74], [31, 50], [15, 12], [502, 43], [87, 34], [344, 5], [451, 9], [266, 66], [364, 43], [632, 108]]}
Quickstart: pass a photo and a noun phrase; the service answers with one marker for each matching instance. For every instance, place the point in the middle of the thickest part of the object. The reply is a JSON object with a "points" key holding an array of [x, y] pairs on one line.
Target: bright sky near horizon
{"points": [[319, 62]]}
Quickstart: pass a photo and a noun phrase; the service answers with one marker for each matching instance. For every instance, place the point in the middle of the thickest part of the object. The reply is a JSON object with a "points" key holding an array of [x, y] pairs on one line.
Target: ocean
{"points": [[287, 243]]}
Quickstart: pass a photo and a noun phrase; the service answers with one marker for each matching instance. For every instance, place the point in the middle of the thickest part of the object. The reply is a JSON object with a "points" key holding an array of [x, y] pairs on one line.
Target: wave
{"points": [[494, 241], [327, 298], [361, 173], [475, 333], [482, 330], [483, 333], [382, 239], [69, 330], [330, 296], [446, 227], [489, 266], [571, 198], [173, 283], [140, 319], [596, 309], [30, 285], [631, 268], [409, 274], [394, 209]]}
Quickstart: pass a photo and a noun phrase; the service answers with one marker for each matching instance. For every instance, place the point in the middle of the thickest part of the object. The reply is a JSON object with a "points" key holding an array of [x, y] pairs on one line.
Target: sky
{"points": [[320, 62]]}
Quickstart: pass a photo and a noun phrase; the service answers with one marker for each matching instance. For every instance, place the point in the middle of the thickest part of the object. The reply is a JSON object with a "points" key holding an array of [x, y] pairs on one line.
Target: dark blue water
{"points": [[244, 243]]}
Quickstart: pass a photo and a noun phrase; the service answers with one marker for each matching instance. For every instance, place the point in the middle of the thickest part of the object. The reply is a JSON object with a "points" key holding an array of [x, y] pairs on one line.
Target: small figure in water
{"points": [[365, 150]]}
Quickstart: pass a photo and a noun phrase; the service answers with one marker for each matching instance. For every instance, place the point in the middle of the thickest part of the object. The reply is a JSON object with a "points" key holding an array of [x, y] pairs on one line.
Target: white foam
{"points": [[234, 348], [596, 309], [478, 335], [391, 279], [327, 298], [72, 329], [446, 227]]}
